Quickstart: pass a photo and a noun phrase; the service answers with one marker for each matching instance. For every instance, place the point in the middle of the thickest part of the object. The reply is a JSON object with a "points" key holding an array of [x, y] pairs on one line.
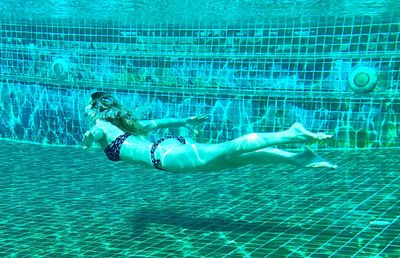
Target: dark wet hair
{"points": [[103, 101], [108, 108]]}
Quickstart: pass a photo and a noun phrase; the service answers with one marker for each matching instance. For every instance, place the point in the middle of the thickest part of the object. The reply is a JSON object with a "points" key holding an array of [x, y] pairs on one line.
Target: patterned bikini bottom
{"points": [[157, 162]]}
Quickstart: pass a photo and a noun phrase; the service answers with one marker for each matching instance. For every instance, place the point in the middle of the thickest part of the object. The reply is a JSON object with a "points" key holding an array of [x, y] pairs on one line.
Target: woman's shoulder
{"points": [[106, 126], [101, 123]]}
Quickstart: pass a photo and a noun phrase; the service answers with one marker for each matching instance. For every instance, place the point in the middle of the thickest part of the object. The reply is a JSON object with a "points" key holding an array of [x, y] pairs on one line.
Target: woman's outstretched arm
{"points": [[190, 123]]}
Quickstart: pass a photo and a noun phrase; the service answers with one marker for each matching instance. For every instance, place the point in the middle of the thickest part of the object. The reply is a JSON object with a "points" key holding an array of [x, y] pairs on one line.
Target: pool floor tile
{"points": [[59, 201]]}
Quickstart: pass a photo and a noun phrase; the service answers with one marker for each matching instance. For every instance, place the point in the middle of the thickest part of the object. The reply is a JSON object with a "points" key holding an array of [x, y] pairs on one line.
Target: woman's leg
{"points": [[306, 158], [218, 156], [256, 141]]}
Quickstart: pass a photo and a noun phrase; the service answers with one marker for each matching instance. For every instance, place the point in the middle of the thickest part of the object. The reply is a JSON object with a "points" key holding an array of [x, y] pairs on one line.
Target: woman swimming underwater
{"points": [[122, 137]]}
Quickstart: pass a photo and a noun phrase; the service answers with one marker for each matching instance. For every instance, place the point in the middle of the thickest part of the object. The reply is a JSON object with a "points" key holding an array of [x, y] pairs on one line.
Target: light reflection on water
{"points": [[187, 11]]}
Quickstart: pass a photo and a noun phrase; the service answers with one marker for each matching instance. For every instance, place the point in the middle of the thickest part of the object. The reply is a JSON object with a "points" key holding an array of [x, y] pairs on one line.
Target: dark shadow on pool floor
{"points": [[149, 218]]}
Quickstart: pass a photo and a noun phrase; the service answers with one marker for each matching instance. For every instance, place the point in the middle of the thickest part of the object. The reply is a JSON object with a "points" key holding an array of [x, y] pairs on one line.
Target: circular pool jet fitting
{"points": [[59, 69], [363, 79]]}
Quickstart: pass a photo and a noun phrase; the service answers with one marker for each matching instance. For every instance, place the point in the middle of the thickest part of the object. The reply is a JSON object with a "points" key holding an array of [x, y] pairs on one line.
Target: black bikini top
{"points": [[113, 149]]}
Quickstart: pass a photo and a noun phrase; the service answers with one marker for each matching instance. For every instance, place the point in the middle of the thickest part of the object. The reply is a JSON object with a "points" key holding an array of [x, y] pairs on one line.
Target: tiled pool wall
{"points": [[250, 77]]}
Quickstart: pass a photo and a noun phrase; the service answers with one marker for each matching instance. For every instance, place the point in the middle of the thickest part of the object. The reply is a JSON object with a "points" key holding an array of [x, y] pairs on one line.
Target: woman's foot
{"points": [[322, 164], [303, 135], [310, 159]]}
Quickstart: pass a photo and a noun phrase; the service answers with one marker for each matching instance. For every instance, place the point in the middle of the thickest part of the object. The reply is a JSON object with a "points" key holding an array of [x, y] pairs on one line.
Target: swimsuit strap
{"points": [[157, 162]]}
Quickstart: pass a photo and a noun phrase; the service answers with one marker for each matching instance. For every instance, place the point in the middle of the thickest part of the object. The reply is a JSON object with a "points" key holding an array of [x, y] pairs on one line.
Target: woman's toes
{"points": [[322, 136], [322, 164]]}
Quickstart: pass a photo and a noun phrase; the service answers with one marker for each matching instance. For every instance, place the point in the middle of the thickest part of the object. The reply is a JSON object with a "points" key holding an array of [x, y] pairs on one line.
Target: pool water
{"points": [[59, 201]]}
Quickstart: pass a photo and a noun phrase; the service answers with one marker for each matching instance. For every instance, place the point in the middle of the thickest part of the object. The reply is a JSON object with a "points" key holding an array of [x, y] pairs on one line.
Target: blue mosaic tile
{"points": [[53, 115]]}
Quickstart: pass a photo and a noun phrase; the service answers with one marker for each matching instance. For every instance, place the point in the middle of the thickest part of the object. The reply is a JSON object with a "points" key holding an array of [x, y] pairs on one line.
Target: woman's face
{"points": [[98, 105]]}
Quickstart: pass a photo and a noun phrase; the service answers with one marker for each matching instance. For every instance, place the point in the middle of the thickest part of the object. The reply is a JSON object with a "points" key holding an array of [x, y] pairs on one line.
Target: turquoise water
{"points": [[188, 12], [252, 66], [63, 202]]}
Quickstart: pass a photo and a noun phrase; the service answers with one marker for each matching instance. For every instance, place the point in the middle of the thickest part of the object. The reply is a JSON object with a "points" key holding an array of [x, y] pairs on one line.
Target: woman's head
{"points": [[103, 105], [103, 101]]}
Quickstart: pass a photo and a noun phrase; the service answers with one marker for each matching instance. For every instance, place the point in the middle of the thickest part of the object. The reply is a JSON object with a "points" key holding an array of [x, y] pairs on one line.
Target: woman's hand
{"points": [[87, 140], [192, 122], [95, 134]]}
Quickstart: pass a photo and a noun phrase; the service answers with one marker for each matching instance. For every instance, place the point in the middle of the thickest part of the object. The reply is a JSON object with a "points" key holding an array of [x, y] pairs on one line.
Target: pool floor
{"points": [[63, 202]]}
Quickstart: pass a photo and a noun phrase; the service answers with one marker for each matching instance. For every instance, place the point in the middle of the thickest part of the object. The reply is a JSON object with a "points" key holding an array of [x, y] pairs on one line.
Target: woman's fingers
{"points": [[200, 118], [193, 121]]}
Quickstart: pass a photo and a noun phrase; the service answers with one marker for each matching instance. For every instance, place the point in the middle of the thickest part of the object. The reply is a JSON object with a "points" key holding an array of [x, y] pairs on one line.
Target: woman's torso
{"points": [[135, 149]]}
